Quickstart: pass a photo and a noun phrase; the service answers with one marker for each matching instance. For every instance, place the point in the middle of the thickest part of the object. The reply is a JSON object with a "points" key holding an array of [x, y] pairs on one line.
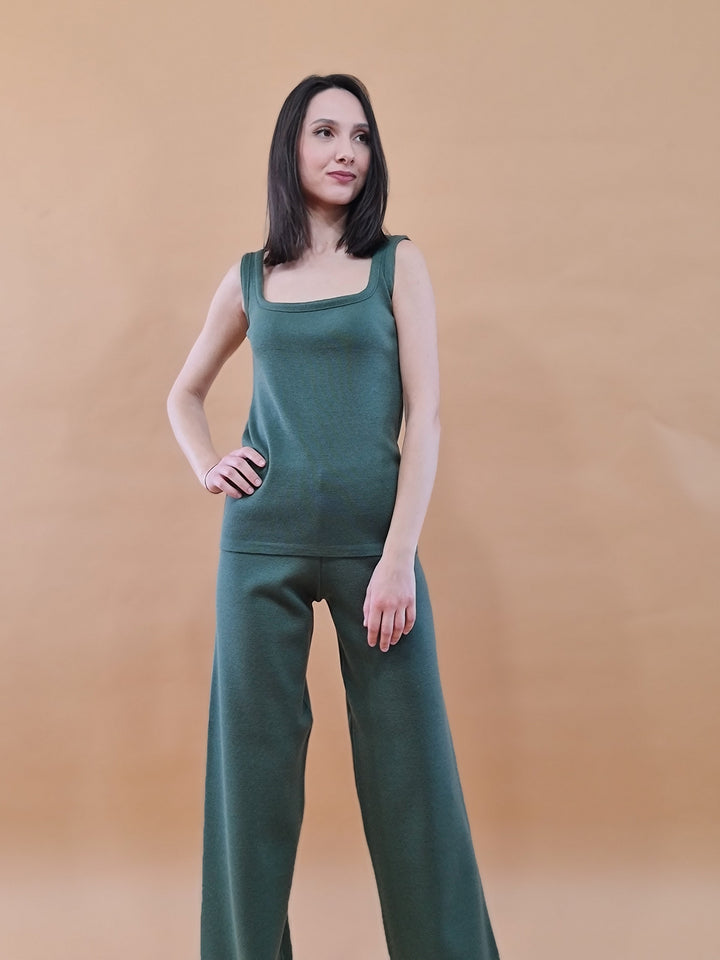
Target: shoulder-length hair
{"points": [[288, 228]]}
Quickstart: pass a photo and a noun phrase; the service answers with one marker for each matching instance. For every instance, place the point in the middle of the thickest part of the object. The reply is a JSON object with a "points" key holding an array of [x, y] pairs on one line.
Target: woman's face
{"points": [[333, 139]]}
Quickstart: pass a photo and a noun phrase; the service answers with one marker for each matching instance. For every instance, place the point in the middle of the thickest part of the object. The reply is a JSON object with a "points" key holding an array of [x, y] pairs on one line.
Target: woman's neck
{"points": [[326, 228]]}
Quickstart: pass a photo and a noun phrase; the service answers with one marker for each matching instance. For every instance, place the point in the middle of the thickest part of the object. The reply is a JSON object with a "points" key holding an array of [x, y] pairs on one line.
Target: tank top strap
{"points": [[247, 274], [387, 264]]}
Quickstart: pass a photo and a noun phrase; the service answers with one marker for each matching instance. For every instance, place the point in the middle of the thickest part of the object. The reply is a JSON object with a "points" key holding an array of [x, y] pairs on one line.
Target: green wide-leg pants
{"points": [[411, 800]]}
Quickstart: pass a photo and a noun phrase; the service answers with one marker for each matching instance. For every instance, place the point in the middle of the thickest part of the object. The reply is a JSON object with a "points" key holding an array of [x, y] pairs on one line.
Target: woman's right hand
{"points": [[234, 474]]}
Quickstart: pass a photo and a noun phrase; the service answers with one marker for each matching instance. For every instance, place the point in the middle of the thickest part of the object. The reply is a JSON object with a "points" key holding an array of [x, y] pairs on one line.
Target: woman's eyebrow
{"points": [[365, 126]]}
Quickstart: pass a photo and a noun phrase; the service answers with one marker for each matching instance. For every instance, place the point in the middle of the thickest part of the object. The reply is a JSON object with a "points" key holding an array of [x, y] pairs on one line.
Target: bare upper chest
{"points": [[316, 279]]}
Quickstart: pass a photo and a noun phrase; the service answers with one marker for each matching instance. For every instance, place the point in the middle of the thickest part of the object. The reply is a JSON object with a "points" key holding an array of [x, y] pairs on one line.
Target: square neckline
{"points": [[298, 305]]}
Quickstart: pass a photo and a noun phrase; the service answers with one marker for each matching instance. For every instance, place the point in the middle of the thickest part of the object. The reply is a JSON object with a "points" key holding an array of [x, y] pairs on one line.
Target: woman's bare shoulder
{"points": [[410, 265], [230, 288]]}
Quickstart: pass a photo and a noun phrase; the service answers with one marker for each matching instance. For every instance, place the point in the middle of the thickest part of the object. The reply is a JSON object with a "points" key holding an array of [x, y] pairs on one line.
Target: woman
{"points": [[319, 504]]}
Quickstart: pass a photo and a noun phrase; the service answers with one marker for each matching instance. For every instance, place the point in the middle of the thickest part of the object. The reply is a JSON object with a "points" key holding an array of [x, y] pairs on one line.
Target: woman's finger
{"points": [[224, 486], [243, 468], [386, 629], [237, 479], [410, 615], [398, 626], [373, 624], [248, 453]]}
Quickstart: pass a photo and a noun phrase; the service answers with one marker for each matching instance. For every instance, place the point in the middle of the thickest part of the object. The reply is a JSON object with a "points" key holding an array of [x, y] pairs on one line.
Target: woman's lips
{"points": [[342, 177]]}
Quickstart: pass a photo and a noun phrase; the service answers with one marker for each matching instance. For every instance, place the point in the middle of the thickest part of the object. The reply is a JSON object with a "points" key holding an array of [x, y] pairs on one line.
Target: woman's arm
{"points": [[224, 330], [390, 600]]}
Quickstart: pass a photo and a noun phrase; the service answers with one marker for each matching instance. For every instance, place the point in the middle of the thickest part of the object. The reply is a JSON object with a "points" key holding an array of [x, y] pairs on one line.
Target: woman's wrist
{"points": [[399, 553], [204, 479], [205, 470]]}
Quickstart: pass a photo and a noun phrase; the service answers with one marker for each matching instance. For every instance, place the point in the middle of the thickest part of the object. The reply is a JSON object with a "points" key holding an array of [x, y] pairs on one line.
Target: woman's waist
{"points": [[301, 511]]}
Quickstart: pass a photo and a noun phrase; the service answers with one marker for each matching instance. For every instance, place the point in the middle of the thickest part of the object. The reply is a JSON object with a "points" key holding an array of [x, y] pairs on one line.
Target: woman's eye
{"points": [[365, 138]]}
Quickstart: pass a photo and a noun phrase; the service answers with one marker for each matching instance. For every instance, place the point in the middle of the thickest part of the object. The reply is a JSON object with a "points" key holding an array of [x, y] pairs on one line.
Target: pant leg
{"points": [[408, 786], [258, 731]]}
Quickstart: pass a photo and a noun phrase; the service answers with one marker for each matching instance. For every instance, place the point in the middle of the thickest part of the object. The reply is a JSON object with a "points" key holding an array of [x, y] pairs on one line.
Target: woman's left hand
{"points": [[389, 608]]}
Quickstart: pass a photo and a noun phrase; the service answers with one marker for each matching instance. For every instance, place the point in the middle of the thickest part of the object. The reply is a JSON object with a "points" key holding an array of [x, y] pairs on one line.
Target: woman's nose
{"points": [[345, 152]]}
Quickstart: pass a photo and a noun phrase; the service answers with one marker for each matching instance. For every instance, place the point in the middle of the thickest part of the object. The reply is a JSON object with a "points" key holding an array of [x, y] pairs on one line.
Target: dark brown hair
{"points": [[288, 229]]}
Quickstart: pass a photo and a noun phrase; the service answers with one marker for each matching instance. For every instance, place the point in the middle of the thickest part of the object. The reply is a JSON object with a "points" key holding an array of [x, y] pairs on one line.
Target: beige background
{"points": [[558, 164]]}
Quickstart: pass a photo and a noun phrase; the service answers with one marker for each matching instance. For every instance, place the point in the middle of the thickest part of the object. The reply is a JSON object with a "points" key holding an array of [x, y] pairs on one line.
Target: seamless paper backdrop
{"points": [[557, 164]]}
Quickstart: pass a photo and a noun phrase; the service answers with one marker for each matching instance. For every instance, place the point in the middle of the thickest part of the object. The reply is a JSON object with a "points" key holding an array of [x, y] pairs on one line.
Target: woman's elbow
{"points": [[173, 397], [179, 396]]}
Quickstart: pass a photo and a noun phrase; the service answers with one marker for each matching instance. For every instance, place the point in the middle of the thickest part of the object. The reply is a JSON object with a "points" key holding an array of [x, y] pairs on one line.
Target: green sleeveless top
{"points": [[325, 413]]}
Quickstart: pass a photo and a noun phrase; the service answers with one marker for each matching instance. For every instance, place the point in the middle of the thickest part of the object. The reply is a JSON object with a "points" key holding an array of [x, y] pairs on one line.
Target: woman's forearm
{"points": [[224, 330], [418, 465], [190, 426]]}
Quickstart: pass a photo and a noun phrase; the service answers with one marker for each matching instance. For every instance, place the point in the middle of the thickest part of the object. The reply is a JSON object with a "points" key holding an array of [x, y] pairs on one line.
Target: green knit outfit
{"points": [[326, 413]]}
